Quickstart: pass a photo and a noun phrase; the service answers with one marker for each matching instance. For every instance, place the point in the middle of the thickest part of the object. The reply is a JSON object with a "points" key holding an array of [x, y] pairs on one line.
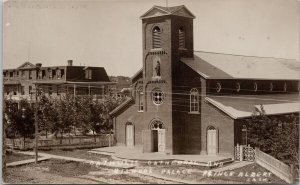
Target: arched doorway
{"points": [[159, 135], [129, 133], [212, 140]]}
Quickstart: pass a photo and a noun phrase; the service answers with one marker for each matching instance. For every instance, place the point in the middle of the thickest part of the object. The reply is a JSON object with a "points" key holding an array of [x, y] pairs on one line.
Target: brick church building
{"points": [[191, 102]]}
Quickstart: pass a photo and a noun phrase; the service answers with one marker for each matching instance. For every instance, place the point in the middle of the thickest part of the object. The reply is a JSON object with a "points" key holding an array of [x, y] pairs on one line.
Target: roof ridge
{"points": [[243, 55]]}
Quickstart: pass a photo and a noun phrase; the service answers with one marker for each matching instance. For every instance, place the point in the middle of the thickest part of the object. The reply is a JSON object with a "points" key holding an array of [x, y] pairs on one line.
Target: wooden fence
{"points": [[98, 141], [280, 169]]}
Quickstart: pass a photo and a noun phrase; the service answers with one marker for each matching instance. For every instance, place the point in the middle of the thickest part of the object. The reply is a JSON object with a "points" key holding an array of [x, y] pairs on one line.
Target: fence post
{"points": [[109, 140], [292, 174], [241, 153]]}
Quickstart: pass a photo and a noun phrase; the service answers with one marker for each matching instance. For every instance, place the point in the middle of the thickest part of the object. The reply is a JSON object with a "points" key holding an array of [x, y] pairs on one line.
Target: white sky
{"points": [[108, 33]]}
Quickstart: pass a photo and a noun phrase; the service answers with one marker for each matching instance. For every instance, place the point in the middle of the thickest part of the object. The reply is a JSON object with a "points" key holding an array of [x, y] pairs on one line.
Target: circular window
{"points": [[238, 87], [255, 86], [218, 87], [157, 96], [156, 124]]}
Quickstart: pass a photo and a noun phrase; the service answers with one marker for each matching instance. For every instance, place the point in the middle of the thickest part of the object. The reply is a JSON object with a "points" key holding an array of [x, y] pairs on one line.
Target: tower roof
{"points": [[156, 11]]}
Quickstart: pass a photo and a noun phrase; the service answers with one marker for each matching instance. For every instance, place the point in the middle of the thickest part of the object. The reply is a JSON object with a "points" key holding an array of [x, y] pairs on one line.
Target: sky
{"points": [[108, 33]]}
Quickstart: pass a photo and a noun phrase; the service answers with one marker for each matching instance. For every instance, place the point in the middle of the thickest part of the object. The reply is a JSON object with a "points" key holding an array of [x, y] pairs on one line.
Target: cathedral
{"points": [[195, 102]]}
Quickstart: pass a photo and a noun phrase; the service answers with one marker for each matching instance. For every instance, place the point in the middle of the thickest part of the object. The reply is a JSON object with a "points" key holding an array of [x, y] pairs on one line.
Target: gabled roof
{"points": [[121, 106], [228, 66], [26, 65], [137, 75], [162, 11], [244, 106]]}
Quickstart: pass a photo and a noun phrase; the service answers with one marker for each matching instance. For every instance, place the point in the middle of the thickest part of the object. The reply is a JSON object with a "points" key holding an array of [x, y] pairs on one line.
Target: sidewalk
{"points": [[101, 163], [18, 163]]}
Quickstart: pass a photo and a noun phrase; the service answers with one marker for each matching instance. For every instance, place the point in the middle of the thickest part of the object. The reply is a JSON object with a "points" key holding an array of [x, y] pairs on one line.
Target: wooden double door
{"points": [[159, 140]]}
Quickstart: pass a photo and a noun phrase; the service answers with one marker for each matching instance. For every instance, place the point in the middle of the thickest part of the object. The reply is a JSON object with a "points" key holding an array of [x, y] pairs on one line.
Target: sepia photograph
{"points": [[150, 91]]}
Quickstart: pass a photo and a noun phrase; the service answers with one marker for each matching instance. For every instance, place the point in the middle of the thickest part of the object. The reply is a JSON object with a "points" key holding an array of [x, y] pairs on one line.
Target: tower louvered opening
{"points": [[181, 38], [156, 37]]}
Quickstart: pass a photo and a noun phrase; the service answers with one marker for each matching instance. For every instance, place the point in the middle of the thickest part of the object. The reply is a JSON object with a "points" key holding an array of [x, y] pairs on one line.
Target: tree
{"points": [[96, 116], [64, 112], [21, 121], [46, 114], [277, 136]]}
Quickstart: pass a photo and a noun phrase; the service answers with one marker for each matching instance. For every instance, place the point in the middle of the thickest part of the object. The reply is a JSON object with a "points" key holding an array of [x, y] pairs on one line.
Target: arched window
{"points": [[141, 99], [156, 35], [194, 100], [156, 125], [181, 35]]}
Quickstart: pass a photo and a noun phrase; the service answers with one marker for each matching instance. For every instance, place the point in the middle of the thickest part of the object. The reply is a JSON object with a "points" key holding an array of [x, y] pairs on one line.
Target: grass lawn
{"points": [[13, 157], [78, 153], [50, 171], [56, 171]]}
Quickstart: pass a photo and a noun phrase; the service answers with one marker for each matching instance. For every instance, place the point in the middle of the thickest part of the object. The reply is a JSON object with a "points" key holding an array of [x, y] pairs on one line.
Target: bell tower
{"points": [[167, 36]]}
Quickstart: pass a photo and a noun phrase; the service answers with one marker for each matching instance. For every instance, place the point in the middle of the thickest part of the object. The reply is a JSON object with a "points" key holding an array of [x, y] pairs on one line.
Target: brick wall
{"points": [[211, 116]]}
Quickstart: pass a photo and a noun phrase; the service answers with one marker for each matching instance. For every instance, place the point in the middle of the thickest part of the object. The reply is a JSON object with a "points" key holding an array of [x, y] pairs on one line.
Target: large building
{"points": [[193, 102], [55, 81]]}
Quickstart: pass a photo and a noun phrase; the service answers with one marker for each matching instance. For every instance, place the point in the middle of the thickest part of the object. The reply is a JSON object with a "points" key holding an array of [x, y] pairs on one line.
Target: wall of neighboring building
{"points": [[211, 116]]}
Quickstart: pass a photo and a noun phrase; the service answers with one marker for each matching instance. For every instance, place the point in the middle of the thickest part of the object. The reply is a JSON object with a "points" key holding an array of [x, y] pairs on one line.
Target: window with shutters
{"points": [[194, 101], [156, 35], [181, 35]]}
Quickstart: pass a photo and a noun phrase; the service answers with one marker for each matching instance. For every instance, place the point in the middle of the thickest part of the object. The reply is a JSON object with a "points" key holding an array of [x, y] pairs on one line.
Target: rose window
{"points": [[157, 96]]}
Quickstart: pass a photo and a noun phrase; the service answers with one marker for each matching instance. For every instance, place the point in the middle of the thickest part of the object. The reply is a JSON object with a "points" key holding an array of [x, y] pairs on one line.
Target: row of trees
{"points": [[60, 116], [275, 135]]}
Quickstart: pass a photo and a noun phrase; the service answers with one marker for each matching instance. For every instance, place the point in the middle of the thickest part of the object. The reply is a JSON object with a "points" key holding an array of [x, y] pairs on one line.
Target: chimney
{"points": [[39, 65], [70, 62]]}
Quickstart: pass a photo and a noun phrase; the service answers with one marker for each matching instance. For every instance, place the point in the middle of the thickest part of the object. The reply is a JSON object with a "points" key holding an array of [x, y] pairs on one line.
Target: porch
{"points": [[136, 153]]}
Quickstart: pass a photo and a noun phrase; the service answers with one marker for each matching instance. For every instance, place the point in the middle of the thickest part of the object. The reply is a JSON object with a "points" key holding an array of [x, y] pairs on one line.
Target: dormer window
{"points": [[40, 74], [30, 74], [88, 74], [181, 39], [156, 35]]}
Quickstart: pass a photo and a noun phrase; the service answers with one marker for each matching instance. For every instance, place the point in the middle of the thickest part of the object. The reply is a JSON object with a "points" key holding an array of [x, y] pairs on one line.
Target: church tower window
{"points": [[156, 35], [181, 35]]}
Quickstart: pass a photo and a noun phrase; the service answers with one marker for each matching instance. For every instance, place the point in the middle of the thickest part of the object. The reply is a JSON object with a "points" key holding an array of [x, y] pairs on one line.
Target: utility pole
{"points": [[4, 136], [36, 123]]}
